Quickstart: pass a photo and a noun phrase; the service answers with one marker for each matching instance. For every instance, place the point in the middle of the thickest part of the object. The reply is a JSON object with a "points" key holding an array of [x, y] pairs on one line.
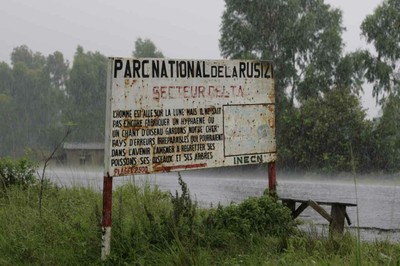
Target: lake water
{"points": [[378, 199]]}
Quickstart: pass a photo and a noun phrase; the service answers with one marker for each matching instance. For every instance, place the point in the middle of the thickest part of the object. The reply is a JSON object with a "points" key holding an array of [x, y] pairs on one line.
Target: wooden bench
{"points": [[335, 218]]}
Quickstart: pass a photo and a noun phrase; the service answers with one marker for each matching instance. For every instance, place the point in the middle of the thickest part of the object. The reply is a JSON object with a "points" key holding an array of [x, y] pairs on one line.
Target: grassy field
{"points": [[151, 227]]}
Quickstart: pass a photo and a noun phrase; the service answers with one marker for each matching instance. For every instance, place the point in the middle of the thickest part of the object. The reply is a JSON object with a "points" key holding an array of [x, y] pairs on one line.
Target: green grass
{"points": [[68, 231], [151, 227]]}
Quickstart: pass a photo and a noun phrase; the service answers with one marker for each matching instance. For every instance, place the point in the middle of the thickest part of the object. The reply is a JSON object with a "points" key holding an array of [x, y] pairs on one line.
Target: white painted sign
{"points": [[171, 115]]}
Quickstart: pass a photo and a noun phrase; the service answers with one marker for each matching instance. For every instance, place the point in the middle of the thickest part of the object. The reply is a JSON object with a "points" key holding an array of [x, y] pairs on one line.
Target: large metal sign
{"points": [[171, 115]]}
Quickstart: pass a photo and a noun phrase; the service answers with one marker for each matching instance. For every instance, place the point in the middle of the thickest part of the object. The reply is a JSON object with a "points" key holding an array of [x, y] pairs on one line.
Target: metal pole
{"points": [[106, 220], [272, 178]]}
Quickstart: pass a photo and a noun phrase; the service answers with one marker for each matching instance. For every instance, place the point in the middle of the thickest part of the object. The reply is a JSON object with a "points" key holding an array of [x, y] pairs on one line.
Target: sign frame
{"points": [[157, 117]]}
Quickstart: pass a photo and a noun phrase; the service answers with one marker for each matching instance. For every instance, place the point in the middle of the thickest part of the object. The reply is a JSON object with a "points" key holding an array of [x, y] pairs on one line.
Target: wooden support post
{"points": [[291, 204], [300, 209], [347, 218], [338, 213], [106, 220], [272, 178]]}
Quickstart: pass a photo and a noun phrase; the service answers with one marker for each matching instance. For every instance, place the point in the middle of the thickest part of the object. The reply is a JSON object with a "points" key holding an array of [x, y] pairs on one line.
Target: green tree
{"points": [[382, 68], [302, 37], [324, 130], [350, 70], [29, 103], [382, 29], [86, 94], [7, 111], [58, 69], [22, 54], [386, 137], [35, 99], [7, 118], [146, 48]]}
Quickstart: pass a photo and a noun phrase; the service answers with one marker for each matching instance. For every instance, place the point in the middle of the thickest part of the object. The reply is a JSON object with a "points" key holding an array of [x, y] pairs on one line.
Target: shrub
{"points": [[17, 173], [256, 215], [182, 218]]}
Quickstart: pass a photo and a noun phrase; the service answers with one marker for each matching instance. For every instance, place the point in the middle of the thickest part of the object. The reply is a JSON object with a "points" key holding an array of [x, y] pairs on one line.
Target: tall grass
{"points": [[152, 227], [144, 233], [66, 233]]}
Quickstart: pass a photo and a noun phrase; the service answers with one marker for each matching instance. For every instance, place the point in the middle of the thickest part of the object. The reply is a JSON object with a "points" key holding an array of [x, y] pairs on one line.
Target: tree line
{"points": [[321, 125], [43, 97]]}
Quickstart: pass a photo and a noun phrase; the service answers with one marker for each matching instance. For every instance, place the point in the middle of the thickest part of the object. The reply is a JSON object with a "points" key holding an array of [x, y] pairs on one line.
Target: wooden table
{"points": [[335, 218]]}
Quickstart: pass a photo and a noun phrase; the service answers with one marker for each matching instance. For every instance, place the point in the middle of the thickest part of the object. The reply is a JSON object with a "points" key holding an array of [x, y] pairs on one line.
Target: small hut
{"points": [[84, 153]]}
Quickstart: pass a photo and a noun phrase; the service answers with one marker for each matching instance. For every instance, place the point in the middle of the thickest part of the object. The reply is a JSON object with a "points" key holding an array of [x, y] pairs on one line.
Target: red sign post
{"points": [[106, 219]]}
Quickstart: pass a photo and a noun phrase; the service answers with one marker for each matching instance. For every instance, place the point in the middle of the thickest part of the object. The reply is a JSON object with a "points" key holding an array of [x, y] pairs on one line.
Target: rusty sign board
{"points": [[171, 115]]}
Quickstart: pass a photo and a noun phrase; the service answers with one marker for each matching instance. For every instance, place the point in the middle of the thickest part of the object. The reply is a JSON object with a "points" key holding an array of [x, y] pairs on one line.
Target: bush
{"points": [[17, 173], [261, 216]]}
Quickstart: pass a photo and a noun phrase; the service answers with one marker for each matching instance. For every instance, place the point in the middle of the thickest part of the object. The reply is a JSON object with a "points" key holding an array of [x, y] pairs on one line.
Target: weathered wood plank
{"points": [[329, 203], [320, 210]]}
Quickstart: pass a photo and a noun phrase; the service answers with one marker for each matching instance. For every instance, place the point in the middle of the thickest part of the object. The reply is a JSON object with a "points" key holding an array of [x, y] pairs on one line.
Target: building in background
{"points": [[84, 153]]}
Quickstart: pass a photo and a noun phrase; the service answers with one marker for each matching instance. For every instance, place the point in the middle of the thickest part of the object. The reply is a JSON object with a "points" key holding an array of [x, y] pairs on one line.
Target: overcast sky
{"points": [[186, 29]]}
